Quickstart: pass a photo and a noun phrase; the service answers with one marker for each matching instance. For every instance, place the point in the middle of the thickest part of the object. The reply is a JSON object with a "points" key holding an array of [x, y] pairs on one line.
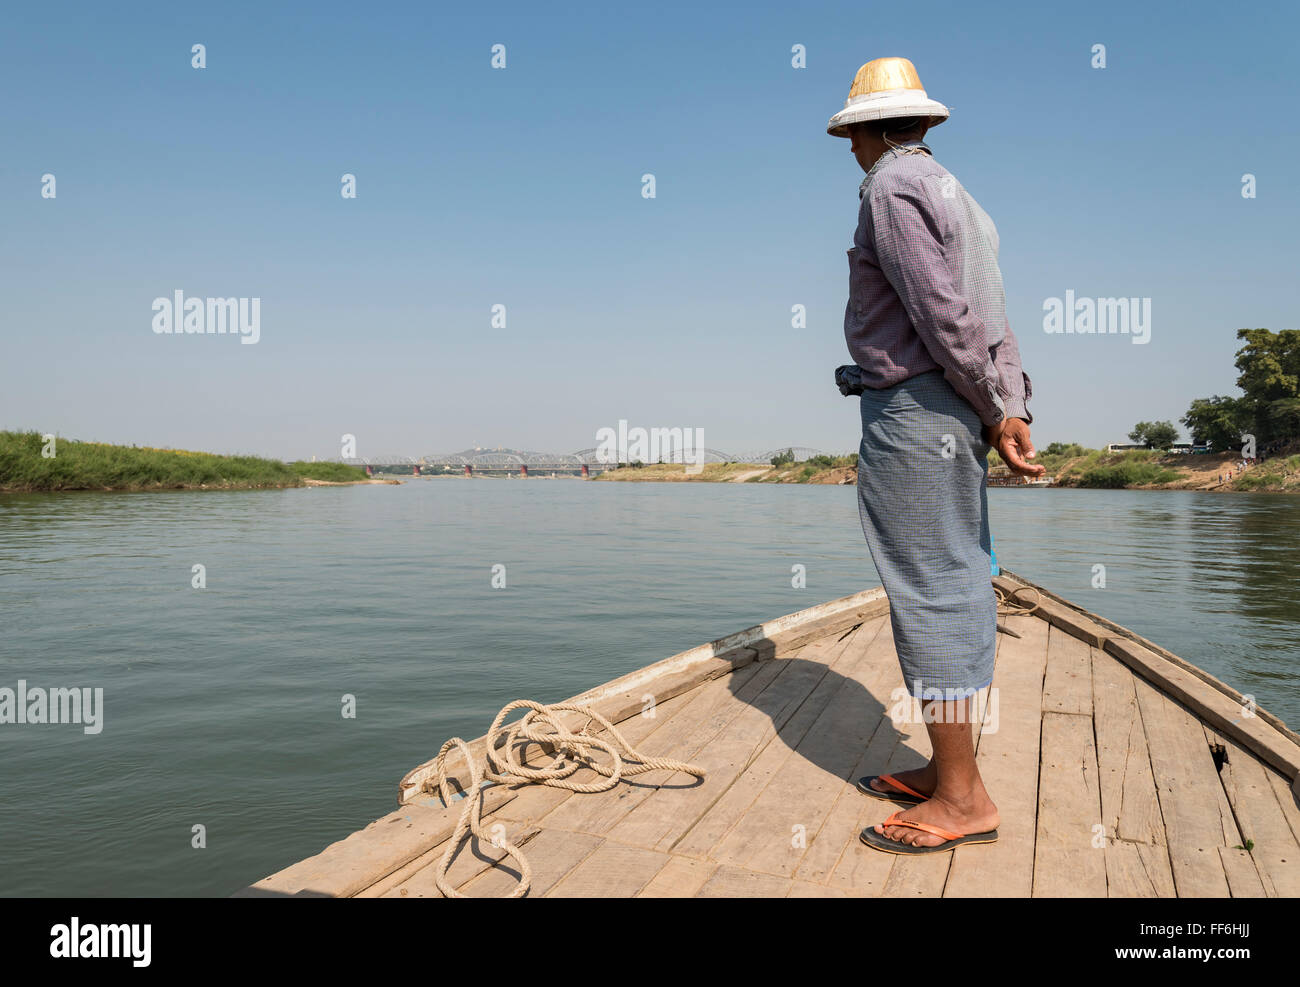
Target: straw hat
{"points": [[885, 89]]}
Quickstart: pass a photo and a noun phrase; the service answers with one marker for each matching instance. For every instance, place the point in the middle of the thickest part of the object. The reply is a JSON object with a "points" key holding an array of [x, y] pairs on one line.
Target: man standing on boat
{"points": [[939, 372]]}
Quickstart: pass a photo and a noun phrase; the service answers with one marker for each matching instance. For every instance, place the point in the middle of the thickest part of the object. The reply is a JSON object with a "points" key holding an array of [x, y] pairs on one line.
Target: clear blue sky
{"points": [[522, 187]]}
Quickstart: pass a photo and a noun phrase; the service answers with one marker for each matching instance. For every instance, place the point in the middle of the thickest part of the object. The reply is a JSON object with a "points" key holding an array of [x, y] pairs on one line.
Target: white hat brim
{"points": [[888, 105]]}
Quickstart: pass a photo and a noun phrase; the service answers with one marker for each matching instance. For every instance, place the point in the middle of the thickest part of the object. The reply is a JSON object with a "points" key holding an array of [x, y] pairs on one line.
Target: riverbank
{"points": [[31, 464], [1140, 469], [1143, 469], [821, 470], [309, 482]]}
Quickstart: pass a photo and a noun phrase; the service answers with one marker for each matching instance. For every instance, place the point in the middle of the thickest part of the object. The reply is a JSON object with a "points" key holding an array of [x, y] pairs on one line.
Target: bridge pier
{"points": [[523, 469], [585, 473], [469, 470], [370, 471], [415, 471]]}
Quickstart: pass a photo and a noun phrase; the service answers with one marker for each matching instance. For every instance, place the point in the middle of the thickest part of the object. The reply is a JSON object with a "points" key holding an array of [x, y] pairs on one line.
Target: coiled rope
{"points": [[541, 724], [1009, 605]]}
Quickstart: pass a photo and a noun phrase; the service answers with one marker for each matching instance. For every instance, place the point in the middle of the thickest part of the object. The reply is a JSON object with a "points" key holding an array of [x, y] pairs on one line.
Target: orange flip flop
{"points": [[871, 838], [904, 795]]}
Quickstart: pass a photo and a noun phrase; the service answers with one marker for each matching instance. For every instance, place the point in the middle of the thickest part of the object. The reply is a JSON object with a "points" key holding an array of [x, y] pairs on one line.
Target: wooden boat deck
{"points": [[1118, 771]]}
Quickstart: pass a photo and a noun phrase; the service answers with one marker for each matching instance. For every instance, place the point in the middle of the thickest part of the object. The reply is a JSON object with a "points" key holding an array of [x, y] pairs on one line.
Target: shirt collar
{"points": [[903, 147]]}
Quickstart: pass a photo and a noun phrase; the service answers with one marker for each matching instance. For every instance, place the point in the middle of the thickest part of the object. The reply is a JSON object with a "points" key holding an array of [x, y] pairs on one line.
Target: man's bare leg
{"points": [[921, 780], [959, 802]]}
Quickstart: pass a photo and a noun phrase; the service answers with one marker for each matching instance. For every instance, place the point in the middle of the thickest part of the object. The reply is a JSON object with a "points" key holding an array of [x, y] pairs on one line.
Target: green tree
{"points": [[784, 458], [1162, 435], [1139, 433], [1283, 418], [1157, 435], [1269, 372], [1219, 420], [1269, 364]]}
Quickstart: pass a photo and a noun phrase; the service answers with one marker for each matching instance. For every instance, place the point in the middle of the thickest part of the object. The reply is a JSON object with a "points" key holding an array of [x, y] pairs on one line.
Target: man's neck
{"points": [[900, 147], [889, 154]]}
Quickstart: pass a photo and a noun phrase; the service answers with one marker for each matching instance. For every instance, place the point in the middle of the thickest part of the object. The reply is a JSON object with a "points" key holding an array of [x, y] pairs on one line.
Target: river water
{"points": [[223, 706]]}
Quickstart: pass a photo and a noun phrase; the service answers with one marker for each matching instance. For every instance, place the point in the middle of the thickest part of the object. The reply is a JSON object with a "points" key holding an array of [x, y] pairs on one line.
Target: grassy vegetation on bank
{"points": [[100, 466], [1280, 475], [819, 469], [1071, 465], [1075, 466], [331, 472]]}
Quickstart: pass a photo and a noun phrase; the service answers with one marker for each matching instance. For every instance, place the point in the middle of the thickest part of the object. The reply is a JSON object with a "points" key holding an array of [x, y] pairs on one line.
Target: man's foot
{"points": [[974, 814], [922, 780]]}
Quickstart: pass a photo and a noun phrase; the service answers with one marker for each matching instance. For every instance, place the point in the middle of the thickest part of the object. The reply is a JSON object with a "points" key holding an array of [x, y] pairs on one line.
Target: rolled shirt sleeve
{"points": [[909, 241]]}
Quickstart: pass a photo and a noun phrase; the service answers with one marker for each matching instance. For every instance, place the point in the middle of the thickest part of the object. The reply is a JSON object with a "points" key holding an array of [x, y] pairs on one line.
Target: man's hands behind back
{"points": [[1010, 437]]}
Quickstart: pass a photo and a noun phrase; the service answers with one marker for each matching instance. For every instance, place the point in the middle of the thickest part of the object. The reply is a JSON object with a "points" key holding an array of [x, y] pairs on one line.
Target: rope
{"points": [[1009, 606], [573, 751]]}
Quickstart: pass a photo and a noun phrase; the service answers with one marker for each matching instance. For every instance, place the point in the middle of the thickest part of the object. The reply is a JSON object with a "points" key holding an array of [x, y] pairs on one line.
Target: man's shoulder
{"points": [[908, 173]]}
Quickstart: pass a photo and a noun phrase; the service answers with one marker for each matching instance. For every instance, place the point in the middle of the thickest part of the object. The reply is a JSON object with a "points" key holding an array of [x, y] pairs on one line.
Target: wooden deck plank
{"points": [[1068, 850], [475, 857], [1137, 870], [907, 876], [900, 743], [839, 832], [614, 870], [736, 761], [1287, 800], [1130, 809], [1190, 794], [648, 825], [806, 889], [917, 877], [736, 882], [356, 862], [1067, 687], [1243, 876], [986, 695], [863, 872], [551, 854], [710, 708], [681, 877], [1136, 854], [1275, 854], [911, 877], [1237, 861], [774, 833], [746, 781], [1008, 762], [1212, 705], [858, 870]]}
